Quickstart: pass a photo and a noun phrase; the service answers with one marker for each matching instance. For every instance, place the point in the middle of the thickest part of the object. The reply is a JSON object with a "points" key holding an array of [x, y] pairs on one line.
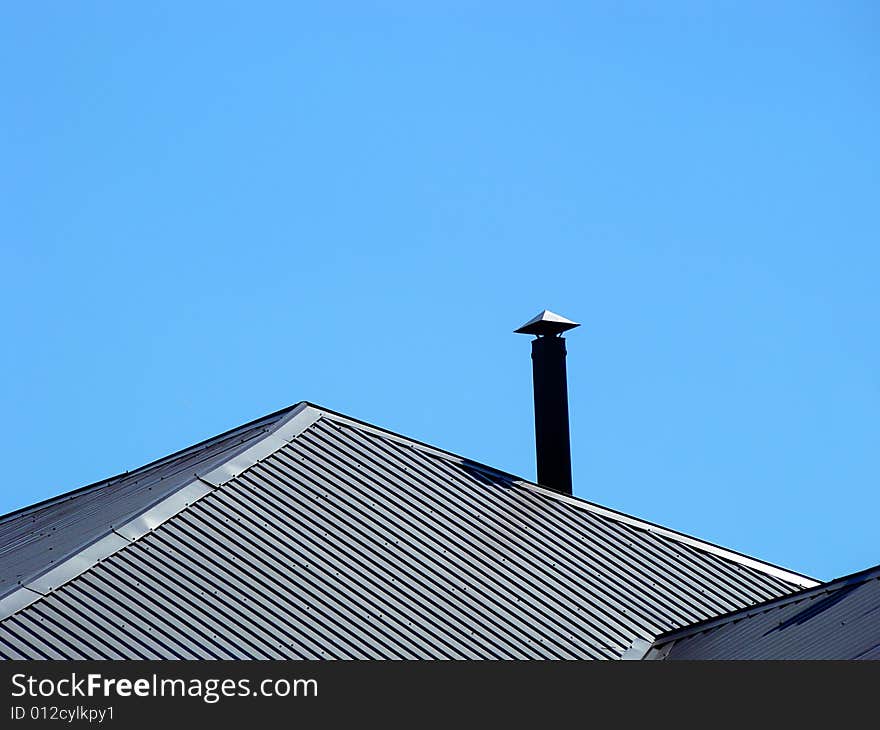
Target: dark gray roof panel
{"points": [[344, 541], [35, 538], [838, 620]]}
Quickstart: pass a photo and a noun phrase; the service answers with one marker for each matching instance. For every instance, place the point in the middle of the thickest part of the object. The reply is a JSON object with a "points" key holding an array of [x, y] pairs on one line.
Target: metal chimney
{"points": [[552, 440]]}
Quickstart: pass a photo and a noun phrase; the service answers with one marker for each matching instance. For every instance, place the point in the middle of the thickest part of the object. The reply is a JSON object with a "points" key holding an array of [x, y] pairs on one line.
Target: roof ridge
{"points": [[862, 576], [192, 487], [777, 571], [93, 486]]}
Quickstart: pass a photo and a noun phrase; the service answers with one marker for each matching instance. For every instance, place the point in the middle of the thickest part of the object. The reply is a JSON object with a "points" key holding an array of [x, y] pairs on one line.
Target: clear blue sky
{"points": [[211, 211]]}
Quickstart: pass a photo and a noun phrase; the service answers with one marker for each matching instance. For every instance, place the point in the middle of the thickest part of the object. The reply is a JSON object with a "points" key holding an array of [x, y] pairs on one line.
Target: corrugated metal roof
{"points": [[837, 620], [49, 532], [332, 538]]}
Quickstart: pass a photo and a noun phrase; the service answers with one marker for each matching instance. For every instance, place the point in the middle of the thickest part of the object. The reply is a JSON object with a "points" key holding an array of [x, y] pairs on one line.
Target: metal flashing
{"points": [[303, 416], [637, 650], [79, 563], [18, 599], [233, 467], [163, 511], [195, 448], [46, 534], [190, 491], [658, 653]]}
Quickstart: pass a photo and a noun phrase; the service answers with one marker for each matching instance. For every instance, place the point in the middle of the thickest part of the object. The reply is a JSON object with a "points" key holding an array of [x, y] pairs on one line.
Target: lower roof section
{"points": [[837, 620], [330, 538]]}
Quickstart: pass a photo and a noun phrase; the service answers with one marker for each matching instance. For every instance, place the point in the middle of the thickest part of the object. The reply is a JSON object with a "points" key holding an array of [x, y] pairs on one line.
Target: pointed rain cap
{"points": [[546, 323]]}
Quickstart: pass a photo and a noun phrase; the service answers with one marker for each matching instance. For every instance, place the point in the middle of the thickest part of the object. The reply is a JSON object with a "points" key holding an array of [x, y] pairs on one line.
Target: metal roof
{"points": [[309, 534], [33, 538], [836, 620]]}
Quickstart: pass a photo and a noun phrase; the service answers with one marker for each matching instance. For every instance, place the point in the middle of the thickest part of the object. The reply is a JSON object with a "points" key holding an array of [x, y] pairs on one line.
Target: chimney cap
{"points": [[546, 323]]}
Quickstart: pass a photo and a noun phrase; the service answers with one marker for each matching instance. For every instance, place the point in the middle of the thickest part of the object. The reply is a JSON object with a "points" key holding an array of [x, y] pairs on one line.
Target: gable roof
{"points": [[310, 534], [835, 620]]}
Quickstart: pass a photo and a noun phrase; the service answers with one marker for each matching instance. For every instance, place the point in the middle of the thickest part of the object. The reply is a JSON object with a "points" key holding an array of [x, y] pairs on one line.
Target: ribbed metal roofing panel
{"points": [[838, 620], [344, 541], [37, 537]]}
